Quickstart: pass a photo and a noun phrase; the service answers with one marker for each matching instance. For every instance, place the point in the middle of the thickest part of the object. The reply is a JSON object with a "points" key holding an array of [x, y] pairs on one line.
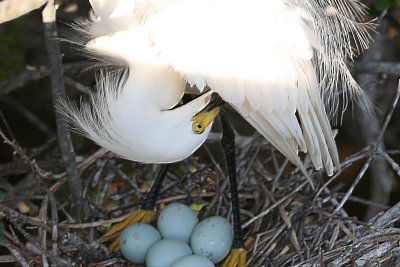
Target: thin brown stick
{"points": [[64, 138]]}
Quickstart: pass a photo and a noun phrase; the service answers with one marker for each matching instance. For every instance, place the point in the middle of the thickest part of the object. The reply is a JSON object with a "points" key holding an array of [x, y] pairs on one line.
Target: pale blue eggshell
{"points": [[193, 261], [165, 251], [212, 238], [136, 240], [177, 221]]}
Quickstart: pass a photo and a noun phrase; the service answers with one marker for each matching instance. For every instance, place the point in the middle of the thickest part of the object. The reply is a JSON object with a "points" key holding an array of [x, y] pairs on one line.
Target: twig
{"points": [[371, 132], [42, 232], [6, 125], [276, 204], [354, 184], [390, 160], [92, 252], [54, 221], [358, 250], [389, 114], [31, 162], [38, 72], [12, 9], [21, 260], [7, 258], [365, 202], [36, 245], [374, 148], [64, 138], [10, 213], [390, 216], [343, 165]]}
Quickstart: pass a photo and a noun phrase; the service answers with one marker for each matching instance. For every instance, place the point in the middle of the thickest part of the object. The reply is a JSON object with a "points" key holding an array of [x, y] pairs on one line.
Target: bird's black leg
{"points": [[151, 198], [145, 214], [228, 145]]}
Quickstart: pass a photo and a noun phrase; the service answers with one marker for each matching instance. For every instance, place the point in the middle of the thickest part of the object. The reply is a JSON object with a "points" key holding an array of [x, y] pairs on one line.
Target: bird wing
{"points": [[274, 61], [258, 55]]}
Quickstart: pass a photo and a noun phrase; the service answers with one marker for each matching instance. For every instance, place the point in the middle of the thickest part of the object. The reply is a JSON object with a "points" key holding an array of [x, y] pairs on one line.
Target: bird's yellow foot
{"points": [[140, 216], [237, 258]]}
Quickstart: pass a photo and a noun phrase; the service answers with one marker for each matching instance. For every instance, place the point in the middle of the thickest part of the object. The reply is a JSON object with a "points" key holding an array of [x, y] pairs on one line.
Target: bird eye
{"points": [[198, 128]]}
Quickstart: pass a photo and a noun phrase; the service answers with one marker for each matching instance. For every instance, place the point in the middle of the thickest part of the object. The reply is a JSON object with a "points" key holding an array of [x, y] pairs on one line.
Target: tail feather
{"points": [[287, 147], [310, 132]]}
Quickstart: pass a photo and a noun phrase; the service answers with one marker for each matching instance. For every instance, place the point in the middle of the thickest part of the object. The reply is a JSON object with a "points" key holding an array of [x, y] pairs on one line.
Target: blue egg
{"points": [[165, 251], [212, 238], [177, 221], [136, 240], [193, 261]]}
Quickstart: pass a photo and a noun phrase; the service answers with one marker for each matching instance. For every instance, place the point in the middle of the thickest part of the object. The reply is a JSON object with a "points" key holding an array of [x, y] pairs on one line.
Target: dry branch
{"points": [[12, 9]]}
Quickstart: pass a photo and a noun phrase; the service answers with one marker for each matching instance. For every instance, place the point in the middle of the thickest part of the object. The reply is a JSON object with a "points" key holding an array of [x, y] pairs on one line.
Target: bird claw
{"points": [[139, 216], [237, 258]]}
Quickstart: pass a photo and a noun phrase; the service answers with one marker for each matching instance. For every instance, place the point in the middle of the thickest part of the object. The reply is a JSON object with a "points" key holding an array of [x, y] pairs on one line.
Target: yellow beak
{"points": [[203, 119]]}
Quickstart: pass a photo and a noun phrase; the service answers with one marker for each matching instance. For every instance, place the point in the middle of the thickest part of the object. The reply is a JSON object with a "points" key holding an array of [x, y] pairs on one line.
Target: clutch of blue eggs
{"points": [[179, 240]]}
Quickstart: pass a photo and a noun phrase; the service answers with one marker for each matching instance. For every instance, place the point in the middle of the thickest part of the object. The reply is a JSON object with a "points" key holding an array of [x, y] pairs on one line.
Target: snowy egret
{"points": [[277, 62]]}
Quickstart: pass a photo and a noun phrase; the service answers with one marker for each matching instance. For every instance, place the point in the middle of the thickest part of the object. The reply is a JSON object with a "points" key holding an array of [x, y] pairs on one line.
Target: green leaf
{"points": [[197, 208]]}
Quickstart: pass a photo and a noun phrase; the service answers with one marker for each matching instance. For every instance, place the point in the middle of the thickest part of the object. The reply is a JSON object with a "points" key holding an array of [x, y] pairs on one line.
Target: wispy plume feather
{"points": [[93, 118], [342, 35]]}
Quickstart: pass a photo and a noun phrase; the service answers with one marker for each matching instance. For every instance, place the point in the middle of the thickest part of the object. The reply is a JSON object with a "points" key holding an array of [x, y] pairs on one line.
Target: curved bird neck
{"points": [[144, 122]]}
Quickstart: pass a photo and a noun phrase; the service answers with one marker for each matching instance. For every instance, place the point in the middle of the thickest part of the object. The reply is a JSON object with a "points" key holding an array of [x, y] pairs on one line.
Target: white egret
{"points": [[275, 61]]}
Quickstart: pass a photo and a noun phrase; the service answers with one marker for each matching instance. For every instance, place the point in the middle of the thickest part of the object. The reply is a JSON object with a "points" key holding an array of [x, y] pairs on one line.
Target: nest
{"points": [[286, 221]]}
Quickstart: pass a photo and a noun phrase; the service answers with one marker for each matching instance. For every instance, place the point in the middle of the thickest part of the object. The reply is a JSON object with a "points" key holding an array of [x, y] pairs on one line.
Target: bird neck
{"points": [[145, 122]]}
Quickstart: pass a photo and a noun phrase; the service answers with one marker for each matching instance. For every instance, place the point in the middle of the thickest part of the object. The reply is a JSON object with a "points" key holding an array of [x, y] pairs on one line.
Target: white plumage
{"points": [[276, 62]]}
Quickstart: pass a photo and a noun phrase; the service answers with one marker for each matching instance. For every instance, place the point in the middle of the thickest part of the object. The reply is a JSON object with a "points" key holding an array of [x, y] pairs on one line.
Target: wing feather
{"points": [[261, 57], [286, 147], [274, 61]]}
